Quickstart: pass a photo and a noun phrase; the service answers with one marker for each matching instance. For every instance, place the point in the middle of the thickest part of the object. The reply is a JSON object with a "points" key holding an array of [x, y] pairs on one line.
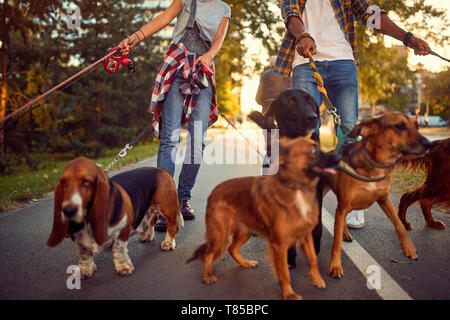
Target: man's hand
{"points": [[420, 46], [305, 45]]}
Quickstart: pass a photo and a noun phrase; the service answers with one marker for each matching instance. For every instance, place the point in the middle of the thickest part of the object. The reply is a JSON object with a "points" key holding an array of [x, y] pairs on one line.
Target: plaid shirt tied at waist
{"points": [[345, 10], [178, 58]]}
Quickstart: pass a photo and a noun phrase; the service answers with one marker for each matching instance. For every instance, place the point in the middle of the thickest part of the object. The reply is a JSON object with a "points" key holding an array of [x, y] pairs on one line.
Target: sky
{"points": [[431, 63]]}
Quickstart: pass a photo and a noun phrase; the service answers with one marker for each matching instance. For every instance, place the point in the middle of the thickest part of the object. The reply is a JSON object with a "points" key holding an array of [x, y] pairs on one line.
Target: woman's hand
{"points": [[128, 44], [206, 59]]}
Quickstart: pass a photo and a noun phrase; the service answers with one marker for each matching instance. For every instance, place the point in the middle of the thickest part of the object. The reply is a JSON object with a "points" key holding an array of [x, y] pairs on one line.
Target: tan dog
{"points": [[95, 210], [282, 208], [385, 139]]}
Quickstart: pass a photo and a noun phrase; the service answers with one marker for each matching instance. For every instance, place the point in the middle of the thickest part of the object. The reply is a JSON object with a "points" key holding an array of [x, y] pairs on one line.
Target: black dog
{"points": [[296, 114]]}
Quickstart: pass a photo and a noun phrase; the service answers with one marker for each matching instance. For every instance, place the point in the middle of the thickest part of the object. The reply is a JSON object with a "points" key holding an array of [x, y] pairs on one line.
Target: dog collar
{"points": [[376, 163], [348, 169], [292, 185]]}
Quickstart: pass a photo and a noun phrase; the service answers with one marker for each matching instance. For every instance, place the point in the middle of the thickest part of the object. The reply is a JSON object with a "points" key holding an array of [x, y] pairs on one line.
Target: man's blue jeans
{"points": [[170, 135], [341, 82]]}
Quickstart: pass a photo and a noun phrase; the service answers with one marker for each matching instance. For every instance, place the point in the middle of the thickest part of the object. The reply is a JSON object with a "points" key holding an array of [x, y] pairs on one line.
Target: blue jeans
{"points": [[171, 115], [341, 82]]}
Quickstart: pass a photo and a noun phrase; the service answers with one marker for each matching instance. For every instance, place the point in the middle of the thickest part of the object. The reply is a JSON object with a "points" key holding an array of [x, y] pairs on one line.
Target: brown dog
{"points": [[386, 138], [95, 210], [282, 208], [436, 188]]}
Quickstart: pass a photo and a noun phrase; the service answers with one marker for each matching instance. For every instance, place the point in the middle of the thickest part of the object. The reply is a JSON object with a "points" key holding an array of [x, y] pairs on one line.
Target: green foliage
{"points": [[252, 17], [20, 184], [436, 89], [381, 66], [99, 109]]}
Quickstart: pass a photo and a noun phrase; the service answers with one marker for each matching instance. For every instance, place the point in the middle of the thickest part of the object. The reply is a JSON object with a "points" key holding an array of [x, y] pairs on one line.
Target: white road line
{"points": [[389, 289]]}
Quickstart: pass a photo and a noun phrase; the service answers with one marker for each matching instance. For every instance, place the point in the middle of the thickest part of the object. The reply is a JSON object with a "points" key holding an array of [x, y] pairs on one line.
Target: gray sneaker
{"points": [[355, 219]]}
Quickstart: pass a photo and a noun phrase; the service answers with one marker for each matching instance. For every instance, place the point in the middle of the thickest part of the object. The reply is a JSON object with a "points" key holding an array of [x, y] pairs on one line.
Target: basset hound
{"points": [[101, 212]]}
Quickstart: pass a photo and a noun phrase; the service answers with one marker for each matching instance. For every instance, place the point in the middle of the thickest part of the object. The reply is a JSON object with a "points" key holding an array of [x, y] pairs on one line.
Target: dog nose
{"points": [[70, 210], [312, 118]]}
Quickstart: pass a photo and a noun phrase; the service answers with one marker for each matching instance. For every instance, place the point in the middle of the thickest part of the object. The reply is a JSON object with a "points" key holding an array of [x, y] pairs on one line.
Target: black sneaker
{"points": [[161, 225], [186, 210]]}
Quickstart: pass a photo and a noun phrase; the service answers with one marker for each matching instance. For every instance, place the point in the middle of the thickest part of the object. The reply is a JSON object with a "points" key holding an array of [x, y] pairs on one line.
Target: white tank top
{"points": [[320, 22]]}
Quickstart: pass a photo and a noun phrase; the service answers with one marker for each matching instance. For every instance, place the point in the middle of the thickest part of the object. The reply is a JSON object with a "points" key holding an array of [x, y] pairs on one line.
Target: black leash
{"points": [[246, 139], [123, 153]]}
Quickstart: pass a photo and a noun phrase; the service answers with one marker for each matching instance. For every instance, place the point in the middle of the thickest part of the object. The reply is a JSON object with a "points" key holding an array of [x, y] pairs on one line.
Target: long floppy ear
{"points": [[59, 228], [98, 214], [366, 128], [269, 116]]}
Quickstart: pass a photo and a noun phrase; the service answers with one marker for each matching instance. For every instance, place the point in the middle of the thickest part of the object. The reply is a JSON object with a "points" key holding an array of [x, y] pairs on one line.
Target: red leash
{"points": [[12, 114]]}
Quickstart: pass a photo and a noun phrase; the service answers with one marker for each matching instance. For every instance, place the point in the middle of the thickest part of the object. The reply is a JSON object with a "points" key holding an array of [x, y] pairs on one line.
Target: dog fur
{"points": [[96, 211], [436, 188], [282, 208], [386, 138]]}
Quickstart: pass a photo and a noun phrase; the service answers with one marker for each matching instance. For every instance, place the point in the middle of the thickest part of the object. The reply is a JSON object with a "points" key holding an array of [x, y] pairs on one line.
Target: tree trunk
{"points": [[3, 102]]}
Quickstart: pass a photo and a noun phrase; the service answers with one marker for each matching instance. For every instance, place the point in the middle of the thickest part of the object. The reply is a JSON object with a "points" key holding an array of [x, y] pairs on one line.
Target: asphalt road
{"points": [[31, 270]]}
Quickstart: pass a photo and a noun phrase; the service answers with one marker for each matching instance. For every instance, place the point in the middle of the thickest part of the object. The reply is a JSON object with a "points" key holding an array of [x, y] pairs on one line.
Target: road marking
{"points": [[390, 289]]}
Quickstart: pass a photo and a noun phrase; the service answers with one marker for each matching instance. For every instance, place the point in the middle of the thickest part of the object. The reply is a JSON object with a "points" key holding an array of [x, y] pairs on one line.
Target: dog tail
{"points": [[258, 118], [198, 253]]}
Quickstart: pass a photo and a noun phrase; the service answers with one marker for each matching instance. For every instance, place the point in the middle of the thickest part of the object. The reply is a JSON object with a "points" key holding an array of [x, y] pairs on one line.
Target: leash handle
{"points": [[321, 87], [30, 103]]}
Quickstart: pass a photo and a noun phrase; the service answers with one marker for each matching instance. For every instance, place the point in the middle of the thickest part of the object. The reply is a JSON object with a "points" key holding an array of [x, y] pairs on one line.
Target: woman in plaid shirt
{"points": [[326, 28], [176, 101]]}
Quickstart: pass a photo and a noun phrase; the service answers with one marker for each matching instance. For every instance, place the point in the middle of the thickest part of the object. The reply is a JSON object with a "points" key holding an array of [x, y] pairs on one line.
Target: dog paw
{"points": [[347, 237], [317, 281], [292, 296], [86, 272], [409, 250], [407, 224], [249, 264], [336, 271], [124, 268], [208, 279], [436, 224], [168, 245]]}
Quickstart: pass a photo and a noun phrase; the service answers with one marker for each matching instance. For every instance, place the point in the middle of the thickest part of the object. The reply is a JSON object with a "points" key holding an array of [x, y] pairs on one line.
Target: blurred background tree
{"points": [[102, 110]]}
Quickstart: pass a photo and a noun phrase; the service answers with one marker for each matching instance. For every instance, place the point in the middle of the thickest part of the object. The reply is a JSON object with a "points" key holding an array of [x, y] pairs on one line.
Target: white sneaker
{"points": [[355, 219]]}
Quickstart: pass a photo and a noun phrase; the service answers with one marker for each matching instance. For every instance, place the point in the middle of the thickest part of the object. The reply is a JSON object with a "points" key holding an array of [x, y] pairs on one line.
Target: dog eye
{"points": [[86, 183], [400, 126], [63, 183]]}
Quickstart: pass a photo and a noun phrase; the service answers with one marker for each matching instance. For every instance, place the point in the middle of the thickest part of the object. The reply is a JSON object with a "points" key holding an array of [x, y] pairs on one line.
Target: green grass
{"points": [[404, 180], [22, 184]]}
